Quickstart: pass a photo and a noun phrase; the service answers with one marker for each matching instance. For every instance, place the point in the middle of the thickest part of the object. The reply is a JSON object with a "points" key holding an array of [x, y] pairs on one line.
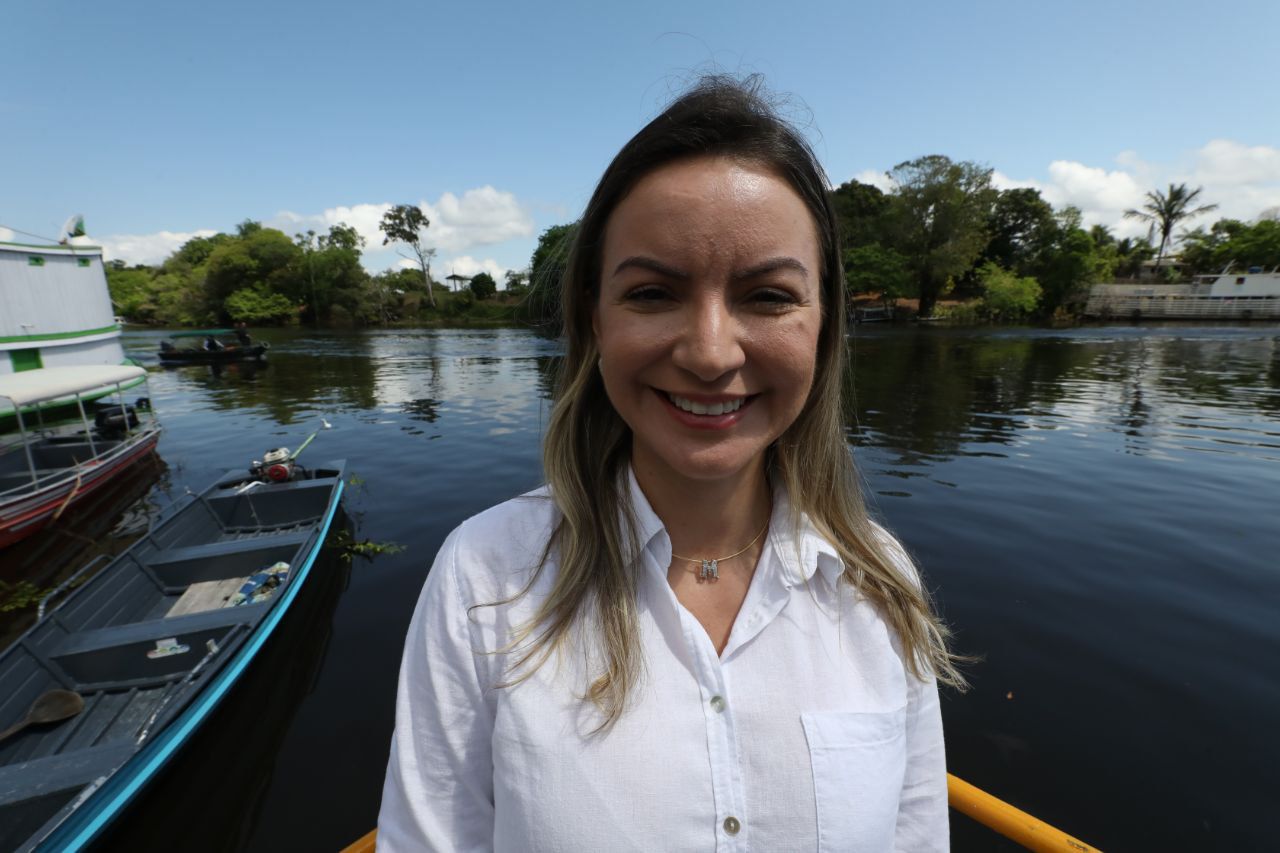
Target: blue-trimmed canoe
{"points": [[150, 645]]}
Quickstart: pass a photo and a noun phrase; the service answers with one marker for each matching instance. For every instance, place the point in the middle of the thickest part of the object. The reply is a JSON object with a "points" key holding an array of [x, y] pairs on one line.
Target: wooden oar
{"points": [[1011, 822], [49, 707], [987, 810]]}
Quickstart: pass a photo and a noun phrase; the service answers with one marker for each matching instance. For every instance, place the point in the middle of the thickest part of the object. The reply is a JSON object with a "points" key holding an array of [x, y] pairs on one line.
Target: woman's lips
{"points": [[721, 420]]}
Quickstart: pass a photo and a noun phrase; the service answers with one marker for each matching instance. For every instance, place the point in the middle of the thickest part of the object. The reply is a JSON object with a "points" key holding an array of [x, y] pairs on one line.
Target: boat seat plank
{"points": [[98, 639], [207, 595], [30, 779], [223, 547]]}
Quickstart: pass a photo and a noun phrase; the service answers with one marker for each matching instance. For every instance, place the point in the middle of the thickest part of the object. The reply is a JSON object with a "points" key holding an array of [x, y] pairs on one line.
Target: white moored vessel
{"points": [[1252, 295], [55, 310]]}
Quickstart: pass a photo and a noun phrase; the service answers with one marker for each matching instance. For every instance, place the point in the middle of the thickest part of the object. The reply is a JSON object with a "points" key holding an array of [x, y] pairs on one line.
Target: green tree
{"points": [[131, 291], [404, 223], [330, 272], [258, 304], [1165, 211], [1021, 225], [517, 282], [546, 270], [260, 256], [1130, 254], [483, 286], [1069, 261], [1231, 242], [1005, 295], [940, 213], [874, 267], [860, 209]]}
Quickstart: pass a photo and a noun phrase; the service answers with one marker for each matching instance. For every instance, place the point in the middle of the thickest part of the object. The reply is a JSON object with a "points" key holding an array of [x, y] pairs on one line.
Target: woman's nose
{"points": [[709, 345]]}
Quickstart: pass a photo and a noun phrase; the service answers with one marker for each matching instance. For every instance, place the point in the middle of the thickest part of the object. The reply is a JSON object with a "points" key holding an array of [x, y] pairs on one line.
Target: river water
{"points": [[1094, 509]]}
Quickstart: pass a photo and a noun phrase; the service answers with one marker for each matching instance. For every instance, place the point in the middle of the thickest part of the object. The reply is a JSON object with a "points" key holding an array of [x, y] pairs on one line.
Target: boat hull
{"points": [[215, 645], [257, 352], [25, 514]]}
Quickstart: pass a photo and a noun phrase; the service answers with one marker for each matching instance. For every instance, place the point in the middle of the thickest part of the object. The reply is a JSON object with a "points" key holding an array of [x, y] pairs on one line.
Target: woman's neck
{"points": [[707, 518]]}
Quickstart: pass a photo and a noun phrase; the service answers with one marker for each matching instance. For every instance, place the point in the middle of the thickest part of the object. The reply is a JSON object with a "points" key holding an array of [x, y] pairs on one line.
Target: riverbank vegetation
{"points": [[942, 241], [945, 242], [261, 276]]}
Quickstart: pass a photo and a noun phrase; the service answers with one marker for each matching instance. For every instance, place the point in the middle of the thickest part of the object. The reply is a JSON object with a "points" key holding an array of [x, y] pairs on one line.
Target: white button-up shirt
{"points": [[806, 733]]}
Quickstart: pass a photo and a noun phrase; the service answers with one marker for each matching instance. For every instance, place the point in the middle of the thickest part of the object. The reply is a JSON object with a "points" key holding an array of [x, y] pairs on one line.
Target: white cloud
{"points": [[1001, 181], [1102, 196], [362, 217], [480, 217], [145, 248], [879, 180], [5, 234], [1229, 164], [469, 266]]}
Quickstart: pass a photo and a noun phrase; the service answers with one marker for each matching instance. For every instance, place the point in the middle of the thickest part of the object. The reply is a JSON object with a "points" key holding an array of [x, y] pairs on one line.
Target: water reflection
{"points": [[926, 397], [104, 523]]}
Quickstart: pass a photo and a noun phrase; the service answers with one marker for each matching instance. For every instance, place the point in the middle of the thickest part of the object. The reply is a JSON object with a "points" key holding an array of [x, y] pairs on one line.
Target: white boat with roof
{"points": [[48, 466]]}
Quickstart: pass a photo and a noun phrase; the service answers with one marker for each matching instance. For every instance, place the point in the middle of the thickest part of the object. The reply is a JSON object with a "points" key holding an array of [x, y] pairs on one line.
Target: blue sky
{"points": [[160, 121]]}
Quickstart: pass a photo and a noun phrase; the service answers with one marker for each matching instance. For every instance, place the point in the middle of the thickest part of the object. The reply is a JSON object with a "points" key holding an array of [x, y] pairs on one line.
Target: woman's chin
{"points": [[706, 464]]}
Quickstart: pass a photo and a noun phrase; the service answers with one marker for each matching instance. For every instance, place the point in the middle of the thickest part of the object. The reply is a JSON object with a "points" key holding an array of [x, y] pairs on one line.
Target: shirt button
{"points": [[731, 825], [717, 704]]}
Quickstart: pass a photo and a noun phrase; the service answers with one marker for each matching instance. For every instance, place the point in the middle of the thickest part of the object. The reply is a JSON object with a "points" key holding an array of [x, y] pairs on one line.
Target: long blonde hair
{"points": [[587, 445]]}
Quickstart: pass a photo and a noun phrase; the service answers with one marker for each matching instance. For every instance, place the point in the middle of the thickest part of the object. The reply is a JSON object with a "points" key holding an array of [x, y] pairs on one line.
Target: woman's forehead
{"points": [[712, 209]]}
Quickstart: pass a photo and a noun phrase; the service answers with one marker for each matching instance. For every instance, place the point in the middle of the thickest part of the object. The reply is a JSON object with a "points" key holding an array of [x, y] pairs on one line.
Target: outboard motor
{"points": [[111, 420], [276, 466]]}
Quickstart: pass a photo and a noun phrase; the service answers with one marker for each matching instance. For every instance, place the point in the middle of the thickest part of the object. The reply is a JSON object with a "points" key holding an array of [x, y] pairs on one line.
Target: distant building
{"points": [[1149, 271], [55, 309]]}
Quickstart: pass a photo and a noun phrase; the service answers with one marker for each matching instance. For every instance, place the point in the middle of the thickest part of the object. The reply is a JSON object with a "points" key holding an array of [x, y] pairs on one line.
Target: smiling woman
{"points": [[707, 321], [693, 637]]}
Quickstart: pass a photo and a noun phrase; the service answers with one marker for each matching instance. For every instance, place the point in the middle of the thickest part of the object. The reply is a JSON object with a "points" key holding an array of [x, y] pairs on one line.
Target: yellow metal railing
{"points": [[987, 810]]}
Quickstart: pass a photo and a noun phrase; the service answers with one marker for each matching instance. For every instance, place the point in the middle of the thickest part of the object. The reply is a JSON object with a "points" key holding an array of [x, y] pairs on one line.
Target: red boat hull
{"points": [[22, 516]]}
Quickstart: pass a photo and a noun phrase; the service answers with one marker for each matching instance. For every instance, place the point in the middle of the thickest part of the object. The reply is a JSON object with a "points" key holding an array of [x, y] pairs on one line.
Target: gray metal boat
{"points": [[134, 659]]}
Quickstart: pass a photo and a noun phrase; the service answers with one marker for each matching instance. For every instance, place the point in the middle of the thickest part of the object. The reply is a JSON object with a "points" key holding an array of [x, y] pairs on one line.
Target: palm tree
{"points": [[1165, 211]]}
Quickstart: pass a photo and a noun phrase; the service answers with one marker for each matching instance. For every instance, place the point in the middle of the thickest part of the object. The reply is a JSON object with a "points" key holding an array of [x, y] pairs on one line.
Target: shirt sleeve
{"points": [[438, 793], [922, 806]]}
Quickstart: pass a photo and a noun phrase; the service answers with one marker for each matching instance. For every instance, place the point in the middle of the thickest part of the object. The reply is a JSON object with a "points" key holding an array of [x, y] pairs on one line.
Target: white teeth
{"points": [[707, 408]]}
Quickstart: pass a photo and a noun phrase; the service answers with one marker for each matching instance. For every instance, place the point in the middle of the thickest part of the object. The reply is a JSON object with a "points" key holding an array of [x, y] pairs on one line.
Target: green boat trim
{"points": [[55, 249], [58, 336], [202, 333]]}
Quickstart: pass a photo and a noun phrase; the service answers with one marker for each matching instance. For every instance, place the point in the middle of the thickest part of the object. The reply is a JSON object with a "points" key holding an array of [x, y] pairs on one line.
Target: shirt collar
{"points": [[795, 539]]}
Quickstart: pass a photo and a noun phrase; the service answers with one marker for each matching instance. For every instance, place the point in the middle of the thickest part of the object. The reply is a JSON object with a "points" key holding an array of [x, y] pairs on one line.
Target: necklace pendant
{"points": [[710, 570]]}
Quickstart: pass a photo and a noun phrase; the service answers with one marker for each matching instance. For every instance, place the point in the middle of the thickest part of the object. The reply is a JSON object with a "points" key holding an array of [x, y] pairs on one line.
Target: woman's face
{"points": [[708, 315]]}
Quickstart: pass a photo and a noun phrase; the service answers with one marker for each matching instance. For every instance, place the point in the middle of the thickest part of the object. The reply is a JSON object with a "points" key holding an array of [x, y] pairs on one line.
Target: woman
{"points": [[693, 637]]}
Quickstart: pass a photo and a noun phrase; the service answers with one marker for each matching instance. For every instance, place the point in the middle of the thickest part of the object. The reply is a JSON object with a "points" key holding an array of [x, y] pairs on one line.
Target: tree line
{"points": [[942, 231], [261, 276]]}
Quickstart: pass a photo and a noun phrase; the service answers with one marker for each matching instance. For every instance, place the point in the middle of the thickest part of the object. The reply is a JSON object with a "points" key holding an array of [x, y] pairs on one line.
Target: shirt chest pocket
{"points": [[858, 765]]}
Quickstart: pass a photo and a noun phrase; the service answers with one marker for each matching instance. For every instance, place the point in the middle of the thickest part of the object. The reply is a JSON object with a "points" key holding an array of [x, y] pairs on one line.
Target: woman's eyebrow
{"points": [[641, 262], [781, 262], [763, 268]]}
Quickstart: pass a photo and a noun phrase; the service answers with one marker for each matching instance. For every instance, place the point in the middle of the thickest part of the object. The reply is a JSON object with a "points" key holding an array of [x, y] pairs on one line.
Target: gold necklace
{"points": [[709, 570]]}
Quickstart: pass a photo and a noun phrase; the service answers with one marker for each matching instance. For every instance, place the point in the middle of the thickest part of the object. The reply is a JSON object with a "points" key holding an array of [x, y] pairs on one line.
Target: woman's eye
{"points": [[647, 294], [772, 296]]}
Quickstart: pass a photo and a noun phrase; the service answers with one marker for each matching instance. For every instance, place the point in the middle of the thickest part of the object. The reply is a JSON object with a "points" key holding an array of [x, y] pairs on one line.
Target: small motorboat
{"points": [[105, 688], [218, 346], [47, 469]]}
